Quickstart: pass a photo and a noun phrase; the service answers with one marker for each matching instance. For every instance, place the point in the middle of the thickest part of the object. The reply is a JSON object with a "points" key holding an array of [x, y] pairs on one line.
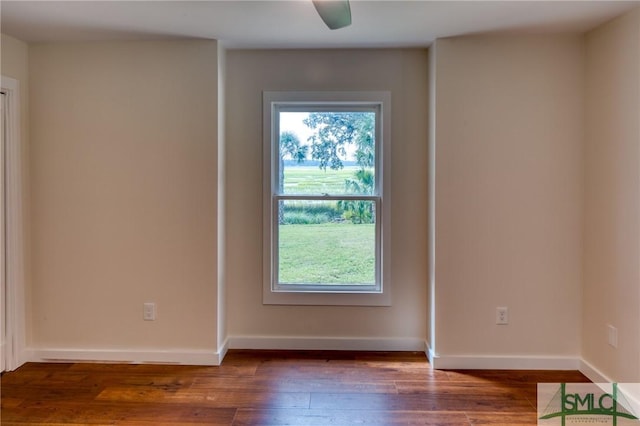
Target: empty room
{"points": [[320, 212]]}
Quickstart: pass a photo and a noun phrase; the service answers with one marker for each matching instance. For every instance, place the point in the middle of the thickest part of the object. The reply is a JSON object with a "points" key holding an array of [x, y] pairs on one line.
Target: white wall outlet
{"points": [[502, 315], [149, 311], [612, 335]]}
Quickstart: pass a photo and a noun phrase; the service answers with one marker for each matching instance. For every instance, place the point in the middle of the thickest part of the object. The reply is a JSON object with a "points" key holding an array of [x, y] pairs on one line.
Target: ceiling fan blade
{"points": [[335, 13]]}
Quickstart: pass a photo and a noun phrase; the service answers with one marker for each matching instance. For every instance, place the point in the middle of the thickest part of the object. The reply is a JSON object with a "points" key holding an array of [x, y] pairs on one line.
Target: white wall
{"points": [[612, 198], [14, 63], [508, 184], [533, 165], [124, 184], [403, 72]]}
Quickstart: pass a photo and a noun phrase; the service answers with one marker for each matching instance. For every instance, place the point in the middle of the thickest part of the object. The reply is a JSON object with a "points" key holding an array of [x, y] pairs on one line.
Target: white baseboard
{"points": [[213, 358], [431, 354], [592, 373], [19, 358], [2, 360], [325, 343], [182, 357], [471, 362], [631, 391], [222, 350]]}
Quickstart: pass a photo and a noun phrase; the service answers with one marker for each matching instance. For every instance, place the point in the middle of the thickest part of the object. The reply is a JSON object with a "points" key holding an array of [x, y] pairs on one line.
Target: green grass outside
{"points": [[314, 180], [329, 253], [319, 251]]}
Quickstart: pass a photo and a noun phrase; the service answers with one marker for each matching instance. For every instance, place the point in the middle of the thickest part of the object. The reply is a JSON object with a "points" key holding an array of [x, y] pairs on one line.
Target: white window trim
{"points": [[348, 297]]}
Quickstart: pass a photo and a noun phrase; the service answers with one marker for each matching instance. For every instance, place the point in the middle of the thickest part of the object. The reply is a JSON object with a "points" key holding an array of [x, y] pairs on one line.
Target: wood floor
{"points": [[273, 388]]}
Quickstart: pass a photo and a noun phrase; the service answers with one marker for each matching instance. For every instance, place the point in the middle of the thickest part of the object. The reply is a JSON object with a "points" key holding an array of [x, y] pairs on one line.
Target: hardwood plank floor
{"points": [[273, 388]]}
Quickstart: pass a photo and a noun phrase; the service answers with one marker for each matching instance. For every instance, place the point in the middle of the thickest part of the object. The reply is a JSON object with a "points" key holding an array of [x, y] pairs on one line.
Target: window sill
{"points": [[270, 297]]}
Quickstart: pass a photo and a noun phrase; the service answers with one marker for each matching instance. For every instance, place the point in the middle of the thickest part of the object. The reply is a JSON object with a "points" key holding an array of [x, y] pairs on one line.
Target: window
{"points": [[326, 198]]}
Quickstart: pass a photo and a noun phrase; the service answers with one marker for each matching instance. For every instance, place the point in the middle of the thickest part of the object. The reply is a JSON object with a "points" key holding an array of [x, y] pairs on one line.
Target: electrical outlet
{"points": [[502, 315], [149, 311], [612, 335]]}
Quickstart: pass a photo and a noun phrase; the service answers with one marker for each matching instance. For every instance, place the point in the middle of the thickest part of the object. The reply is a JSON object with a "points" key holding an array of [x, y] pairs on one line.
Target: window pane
{"points": [[327, 153], [327, 242]]}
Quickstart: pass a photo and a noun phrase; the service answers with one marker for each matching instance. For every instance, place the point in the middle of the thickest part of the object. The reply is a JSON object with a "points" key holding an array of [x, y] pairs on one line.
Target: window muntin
{"points": [[323, 199]]}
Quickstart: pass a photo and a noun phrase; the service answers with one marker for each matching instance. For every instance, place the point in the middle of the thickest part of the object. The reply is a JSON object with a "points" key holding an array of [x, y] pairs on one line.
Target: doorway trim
{"points": [[15, 291]]}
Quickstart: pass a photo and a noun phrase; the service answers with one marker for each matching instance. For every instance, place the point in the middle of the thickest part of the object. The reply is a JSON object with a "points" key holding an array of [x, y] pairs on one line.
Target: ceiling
{"points": [[294, 23]]}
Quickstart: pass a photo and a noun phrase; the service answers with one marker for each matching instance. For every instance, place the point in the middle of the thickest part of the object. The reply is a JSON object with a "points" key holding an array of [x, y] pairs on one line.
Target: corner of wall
{"points": [[15, 64], [611, 296], [431, 290], [222, 235]]}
